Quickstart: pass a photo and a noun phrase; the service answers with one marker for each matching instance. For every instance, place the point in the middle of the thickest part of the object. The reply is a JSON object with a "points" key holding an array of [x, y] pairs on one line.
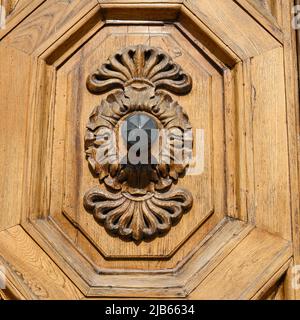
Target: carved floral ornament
{"points": [[138, 200]]}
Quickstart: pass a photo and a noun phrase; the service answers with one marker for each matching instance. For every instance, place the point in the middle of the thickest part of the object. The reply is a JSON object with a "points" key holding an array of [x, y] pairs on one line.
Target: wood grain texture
{"points": [[292, 61], [117, 36], [14, 105], [266, 15], [271, 162], [275, 288], [22, 10], [31, 270], [246, 269], [144, 282], [234, 26], [9, 5], [271, 10], [46, 24], [273, 7], [12, 6], [241, 56], [205, 39], [275, 293]]}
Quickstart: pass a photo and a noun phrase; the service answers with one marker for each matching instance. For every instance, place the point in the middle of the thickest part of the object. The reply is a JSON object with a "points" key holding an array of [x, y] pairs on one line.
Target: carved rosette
{"points": [[139, 201]]}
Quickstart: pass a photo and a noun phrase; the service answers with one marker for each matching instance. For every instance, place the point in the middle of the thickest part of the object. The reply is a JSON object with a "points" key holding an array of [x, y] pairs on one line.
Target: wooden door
{"points": [[221, 226]]}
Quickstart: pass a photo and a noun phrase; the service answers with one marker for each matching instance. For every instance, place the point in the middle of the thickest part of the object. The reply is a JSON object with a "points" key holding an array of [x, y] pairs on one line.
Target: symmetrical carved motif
{"points": [[138, 217], [139, 201]]}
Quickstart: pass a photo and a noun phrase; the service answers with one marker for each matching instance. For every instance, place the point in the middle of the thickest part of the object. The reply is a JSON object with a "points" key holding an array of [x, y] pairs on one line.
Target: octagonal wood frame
{"points": [[182, 280], [174, 246]]}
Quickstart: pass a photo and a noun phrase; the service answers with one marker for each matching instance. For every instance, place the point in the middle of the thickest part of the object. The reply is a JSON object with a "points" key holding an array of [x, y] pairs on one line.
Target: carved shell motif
{"points": [[139, 201]]}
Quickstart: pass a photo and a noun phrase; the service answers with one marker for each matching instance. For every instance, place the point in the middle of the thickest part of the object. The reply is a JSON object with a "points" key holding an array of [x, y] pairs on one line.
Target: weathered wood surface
{"points": [[240, 239]]}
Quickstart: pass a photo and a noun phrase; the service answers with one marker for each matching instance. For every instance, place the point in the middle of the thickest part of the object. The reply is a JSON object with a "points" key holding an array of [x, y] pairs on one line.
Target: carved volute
{"points": [[139, 200]]}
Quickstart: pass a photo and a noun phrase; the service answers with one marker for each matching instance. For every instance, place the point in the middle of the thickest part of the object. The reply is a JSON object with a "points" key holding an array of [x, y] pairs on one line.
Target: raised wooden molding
{"points": [[175, 283], [267, 13], [243, 238], [30, 273], [17, 10]]}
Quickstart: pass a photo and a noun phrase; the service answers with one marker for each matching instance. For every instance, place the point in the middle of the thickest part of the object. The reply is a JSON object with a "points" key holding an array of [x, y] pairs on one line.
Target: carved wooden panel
{"points": [[139, 201], [207, 85], [83, 75]]}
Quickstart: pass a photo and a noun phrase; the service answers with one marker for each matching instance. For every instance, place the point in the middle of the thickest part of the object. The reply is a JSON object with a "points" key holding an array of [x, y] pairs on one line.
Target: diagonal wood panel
{"points": [[231, 264], [30, 270], [246, 269]]}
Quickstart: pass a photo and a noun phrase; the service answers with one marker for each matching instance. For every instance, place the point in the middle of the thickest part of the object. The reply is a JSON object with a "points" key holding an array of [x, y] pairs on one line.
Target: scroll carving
{"points": [[140, 200]]}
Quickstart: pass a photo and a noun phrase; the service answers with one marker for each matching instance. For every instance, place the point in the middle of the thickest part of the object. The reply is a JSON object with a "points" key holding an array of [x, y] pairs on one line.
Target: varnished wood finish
{"points": [[140, 200], [199, 118], [30, 272], [240, 239]]}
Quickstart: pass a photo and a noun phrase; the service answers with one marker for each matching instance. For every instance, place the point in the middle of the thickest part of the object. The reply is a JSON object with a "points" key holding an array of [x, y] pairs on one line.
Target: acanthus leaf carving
{"points": [[138, 218], [139, 201]]}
